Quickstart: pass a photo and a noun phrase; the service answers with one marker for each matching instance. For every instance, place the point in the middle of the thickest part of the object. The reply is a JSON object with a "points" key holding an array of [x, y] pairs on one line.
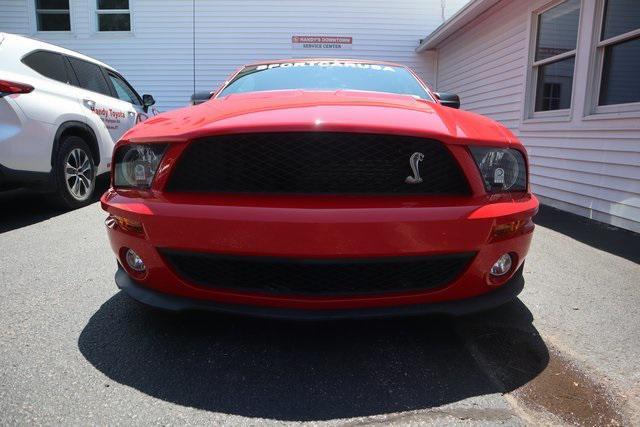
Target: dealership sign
{"points": [[321, 42]]}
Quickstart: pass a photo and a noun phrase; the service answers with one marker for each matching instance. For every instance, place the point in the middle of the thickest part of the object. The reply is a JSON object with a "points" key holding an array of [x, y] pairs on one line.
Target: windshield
{"points": [[326, 75]]}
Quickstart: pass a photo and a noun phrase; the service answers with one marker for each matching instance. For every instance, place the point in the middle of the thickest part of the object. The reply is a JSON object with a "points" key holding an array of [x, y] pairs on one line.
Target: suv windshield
{"points": [[326, 75]]}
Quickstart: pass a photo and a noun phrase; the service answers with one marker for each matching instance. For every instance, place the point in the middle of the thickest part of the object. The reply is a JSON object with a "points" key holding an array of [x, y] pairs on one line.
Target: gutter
{"points": [[468, 13]]}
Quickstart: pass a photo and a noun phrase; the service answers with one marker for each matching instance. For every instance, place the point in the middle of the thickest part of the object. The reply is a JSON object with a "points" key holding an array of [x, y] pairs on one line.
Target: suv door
{"points": [[125, 92], [106, 113]]}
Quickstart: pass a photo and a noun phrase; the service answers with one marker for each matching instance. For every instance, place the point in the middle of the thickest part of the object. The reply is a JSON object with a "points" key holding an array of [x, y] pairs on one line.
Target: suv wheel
{"points": [[75, 173]]}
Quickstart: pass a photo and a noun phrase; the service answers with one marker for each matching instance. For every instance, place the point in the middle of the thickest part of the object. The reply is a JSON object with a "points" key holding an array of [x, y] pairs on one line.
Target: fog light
{"points": [[134, 261], [501, 266]]}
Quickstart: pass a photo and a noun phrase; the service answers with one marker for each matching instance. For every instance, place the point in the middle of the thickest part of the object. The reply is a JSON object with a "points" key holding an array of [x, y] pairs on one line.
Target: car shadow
{"points": [[306, 371], [23, 207]]}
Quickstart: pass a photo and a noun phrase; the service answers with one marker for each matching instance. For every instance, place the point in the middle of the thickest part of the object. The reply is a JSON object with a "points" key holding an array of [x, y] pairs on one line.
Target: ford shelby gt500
{"points": [[321, 189]]}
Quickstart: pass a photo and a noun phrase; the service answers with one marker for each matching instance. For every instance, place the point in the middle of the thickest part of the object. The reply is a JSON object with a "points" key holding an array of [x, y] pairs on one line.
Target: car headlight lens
{"points": [[502, 169], [135, 165]]}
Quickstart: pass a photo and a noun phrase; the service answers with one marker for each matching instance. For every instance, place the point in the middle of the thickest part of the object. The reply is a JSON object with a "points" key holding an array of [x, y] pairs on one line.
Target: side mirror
{"points": [[448, 99], [200, 97], [147, 101]]}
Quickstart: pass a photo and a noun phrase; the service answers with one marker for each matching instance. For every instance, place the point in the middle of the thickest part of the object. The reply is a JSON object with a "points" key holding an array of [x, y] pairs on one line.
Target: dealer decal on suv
{"points": [[111, 118]]}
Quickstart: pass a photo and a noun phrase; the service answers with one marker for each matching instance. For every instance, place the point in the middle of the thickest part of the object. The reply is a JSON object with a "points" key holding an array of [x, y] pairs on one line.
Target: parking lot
{"points": [[74, 350]]}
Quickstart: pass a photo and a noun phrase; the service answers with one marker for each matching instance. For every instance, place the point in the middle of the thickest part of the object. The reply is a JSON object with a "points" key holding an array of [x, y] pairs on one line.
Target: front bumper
{"points": [[507, 292], [321, 228]]}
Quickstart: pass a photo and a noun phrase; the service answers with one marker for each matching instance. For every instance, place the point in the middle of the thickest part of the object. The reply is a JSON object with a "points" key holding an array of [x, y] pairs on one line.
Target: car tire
{"points": [[74, 173]]}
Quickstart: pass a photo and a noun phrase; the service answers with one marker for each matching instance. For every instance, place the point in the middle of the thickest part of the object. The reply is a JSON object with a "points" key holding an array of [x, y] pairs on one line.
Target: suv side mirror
{"points": [[147, 101], [448, 99], [200, 97]]}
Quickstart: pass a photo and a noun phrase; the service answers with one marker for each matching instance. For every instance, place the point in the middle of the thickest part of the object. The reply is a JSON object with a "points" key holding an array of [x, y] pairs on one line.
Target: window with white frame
{"points": [[618, 54], [556, 31], [113, 15], [53, 15]]}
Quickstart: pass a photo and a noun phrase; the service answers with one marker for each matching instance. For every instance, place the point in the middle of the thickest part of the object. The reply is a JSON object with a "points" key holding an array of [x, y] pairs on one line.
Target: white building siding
{"points": [[14, 16], [157, 57], [484, 64], [590, 167]]}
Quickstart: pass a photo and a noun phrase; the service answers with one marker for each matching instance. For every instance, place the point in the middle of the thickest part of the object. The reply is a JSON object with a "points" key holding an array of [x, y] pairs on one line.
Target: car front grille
{"points": [[316, 163], [313, 277]]}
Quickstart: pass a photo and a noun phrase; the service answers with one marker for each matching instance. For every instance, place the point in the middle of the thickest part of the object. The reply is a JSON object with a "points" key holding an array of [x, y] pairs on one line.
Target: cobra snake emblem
{"points": [[414, 162]]}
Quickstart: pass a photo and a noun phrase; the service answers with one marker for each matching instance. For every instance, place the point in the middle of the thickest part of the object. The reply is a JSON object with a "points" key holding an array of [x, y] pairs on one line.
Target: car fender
{"points": [[77, 128]]}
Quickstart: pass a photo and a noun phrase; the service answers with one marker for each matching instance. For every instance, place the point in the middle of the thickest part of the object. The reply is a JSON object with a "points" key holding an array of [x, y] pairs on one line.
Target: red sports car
{"points": [[321, 189]]}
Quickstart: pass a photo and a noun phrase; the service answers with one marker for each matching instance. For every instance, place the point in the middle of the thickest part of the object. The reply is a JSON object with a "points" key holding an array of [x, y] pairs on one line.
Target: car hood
{"points": [[330, 111]]}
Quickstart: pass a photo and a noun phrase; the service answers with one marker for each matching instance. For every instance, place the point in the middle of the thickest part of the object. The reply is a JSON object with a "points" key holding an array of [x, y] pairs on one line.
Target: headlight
{"points": [[135, 165], [502, 169]]}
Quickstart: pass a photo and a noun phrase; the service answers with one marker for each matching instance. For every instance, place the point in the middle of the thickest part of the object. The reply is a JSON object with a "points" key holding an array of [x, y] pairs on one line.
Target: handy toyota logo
{"points": [[414, 162]]}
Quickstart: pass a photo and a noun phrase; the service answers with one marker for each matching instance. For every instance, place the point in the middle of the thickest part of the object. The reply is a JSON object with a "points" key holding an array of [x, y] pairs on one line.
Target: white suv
{"points": [[60, 115]]}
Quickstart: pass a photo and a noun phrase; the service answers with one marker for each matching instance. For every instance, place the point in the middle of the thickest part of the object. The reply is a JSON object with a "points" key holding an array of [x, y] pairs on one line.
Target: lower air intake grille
{"points": [[316, 163], [305, 277]]}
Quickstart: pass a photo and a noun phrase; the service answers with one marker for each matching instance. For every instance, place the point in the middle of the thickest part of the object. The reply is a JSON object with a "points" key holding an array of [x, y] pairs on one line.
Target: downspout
{"points": [[193, 8], [436, 66]]}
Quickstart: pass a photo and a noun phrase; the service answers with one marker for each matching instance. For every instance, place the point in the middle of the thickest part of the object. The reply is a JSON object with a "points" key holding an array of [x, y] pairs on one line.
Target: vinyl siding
{"points": [[157, 57], [590, 167], [14, 17]]}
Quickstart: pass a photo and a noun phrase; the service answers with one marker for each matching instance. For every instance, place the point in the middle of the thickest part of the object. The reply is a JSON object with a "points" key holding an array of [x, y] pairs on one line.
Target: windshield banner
{"points": [[343, 64]]}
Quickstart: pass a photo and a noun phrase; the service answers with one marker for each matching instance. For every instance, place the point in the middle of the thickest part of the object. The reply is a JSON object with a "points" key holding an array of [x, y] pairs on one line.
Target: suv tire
{"points": [[74, 173]]}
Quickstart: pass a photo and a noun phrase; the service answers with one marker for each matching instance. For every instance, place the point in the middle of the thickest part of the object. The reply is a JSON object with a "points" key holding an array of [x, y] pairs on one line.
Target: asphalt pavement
{"points": [[74, 350]]}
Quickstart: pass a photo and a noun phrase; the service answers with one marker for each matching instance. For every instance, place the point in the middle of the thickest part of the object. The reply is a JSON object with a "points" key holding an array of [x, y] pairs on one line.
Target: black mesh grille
{"points": [[317, 277], [315, 163]]}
